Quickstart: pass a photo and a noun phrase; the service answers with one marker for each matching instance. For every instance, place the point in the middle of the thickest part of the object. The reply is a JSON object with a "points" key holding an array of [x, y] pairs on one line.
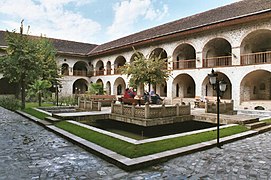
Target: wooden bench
{"points": [[104, 99], [131, 101]]}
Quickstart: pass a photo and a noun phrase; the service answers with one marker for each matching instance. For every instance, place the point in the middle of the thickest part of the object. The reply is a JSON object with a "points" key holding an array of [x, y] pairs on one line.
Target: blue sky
{"points": [[96, 21]]}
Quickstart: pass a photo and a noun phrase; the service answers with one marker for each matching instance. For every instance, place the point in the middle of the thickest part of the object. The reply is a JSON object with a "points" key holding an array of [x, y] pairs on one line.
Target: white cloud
{"points": [[127, 14], [51, 18]]}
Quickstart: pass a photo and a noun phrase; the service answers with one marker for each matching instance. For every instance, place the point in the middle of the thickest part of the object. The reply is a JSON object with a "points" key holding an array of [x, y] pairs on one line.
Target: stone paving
{"points": [[28, 151]]}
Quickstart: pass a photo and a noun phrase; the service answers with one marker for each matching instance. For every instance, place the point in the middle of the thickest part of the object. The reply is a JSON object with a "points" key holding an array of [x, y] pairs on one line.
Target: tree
{"points": [[95, 88], [142, 70], [39, 87], [28, 59]]}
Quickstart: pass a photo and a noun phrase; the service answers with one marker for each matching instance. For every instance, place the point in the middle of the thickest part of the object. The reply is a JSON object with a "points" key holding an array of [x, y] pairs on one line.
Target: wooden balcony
{"points": [[184, 64], [256, 58], [100, 72], [117, 70], [108, 71], [79, 73], [222, 61]]}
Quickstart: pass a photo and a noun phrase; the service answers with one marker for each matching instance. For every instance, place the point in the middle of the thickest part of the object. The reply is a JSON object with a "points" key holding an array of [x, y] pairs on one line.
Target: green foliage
{"points": [[144, 70], [9, 102], [68, 101], [39, 87], [95, 88], [28, 59]]}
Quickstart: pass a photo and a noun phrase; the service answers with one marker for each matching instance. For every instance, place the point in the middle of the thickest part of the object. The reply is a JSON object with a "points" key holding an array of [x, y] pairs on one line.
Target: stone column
{"points": [[147, 110]]}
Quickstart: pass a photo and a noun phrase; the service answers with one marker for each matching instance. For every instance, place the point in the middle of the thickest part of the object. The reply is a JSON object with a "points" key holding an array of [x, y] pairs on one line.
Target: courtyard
{"points": [[28, 151]]}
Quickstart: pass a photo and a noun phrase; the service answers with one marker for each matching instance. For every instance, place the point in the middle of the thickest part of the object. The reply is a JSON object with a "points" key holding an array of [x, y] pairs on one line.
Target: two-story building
{"points": [[234, 40]]}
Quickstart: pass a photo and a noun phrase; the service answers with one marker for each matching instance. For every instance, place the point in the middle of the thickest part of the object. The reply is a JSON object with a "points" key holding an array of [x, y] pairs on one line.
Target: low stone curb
{"points": [[136, 163]]}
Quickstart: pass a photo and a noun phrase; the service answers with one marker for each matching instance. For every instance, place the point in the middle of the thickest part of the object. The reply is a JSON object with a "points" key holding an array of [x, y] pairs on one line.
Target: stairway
{"points": [[259, 126]]}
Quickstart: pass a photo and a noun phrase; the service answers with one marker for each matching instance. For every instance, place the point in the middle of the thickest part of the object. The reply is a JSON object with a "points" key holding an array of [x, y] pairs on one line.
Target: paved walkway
{"points": [[28, 151]]}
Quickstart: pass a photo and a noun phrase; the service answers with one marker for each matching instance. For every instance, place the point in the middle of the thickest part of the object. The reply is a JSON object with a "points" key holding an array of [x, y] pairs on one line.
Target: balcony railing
{"points": [[256, 58], [117, 70], [79, 73], [184, 64], [108, 71], [100, 72], [217, 61]]}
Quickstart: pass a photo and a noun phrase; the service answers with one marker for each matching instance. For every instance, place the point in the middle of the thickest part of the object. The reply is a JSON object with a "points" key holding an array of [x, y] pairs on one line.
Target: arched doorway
{"points": [[99, 68], [80, 86], [161, 54], [256, 85], [217, 53], [65, 69], [108, 68], [119, 86], [108, 88], [184, 57], [80, 68], [207, 88], [256, 48], [119, 62], [183, 86]]}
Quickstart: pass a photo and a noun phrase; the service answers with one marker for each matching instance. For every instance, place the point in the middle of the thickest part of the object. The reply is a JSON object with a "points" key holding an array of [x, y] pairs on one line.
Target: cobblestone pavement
{"points": [[28, 151]]}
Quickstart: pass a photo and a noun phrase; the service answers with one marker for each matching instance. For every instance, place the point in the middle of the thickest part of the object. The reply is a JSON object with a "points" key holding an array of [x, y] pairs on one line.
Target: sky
{"points": [[96, 21]]}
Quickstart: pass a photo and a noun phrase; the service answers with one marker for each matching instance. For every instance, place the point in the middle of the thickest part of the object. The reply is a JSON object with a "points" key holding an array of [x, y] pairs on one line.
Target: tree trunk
{"points": [[39, 98], [23, 94]]}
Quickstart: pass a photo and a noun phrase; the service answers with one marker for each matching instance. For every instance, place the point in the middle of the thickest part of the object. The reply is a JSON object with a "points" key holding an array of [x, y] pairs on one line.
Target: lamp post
{"points": [[219, 86], [57, 87]]}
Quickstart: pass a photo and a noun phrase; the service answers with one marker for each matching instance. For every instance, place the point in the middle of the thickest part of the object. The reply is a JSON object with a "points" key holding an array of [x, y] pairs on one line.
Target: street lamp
{"points": [[219, 87], [57, 88]]}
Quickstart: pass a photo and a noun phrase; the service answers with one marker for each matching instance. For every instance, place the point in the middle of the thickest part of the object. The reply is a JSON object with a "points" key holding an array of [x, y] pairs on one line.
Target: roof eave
{"points": [[168, 35]]}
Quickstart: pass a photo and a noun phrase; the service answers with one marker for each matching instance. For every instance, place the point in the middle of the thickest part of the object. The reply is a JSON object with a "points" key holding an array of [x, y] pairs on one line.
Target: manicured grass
{"points": [[35, 113], [268, 121], [133, 151], [29, 109]]}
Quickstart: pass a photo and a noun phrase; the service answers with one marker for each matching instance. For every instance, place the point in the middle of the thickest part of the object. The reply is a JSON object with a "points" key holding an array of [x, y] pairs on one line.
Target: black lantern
{"points": [[220, 88]]}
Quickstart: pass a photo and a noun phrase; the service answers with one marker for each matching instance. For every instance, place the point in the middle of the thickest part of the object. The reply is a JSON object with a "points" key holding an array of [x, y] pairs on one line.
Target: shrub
{"points": [[9, 102], [68, 101]]}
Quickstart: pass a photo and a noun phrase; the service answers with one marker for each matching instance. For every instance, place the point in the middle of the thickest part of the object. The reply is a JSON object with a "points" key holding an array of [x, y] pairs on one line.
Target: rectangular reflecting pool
{"points": [[141, 132]]}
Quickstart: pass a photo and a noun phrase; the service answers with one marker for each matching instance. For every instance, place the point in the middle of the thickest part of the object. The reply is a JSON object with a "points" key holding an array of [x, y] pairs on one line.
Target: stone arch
{"points": [[65, 69], [80, 68], [184, 57], [256, 47], [216, 53], [99, 68], [119, 86], [108, 88], [119, 62], [108, 68], [159, 53], [161, 89], [256, 85], [135, 56], [207, 88], [183, 86], [80, 86]]}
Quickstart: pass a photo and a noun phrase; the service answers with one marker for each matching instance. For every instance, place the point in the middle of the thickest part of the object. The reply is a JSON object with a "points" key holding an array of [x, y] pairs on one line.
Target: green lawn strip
{"points": [[133, 151], [29, 109], [268, 121], [35, 113]]}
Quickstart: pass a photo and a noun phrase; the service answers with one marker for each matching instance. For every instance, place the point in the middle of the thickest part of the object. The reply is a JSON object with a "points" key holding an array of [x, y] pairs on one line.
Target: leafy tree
{"points": [[28, 59], [95, 88], [39, 87], [142, 70]]}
